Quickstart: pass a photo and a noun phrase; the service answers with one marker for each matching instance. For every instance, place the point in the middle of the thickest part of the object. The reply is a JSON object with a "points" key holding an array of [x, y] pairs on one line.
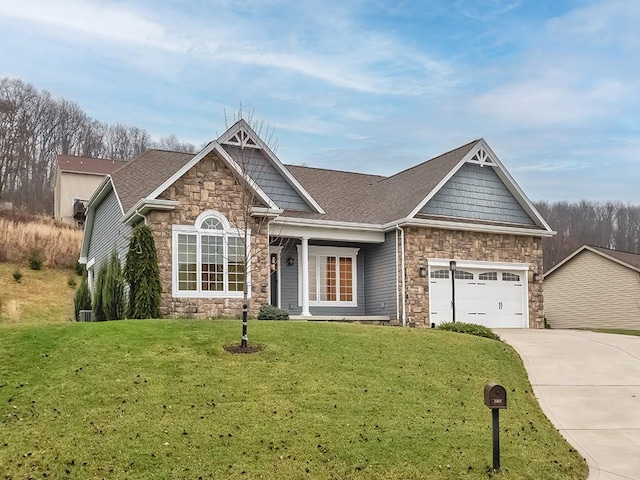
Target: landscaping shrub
{"points": [[269, 312], [35, 259], [17, 275], [80, 268], [113, 297], [98, 302], [82, 299], [470, 328], [71, 281], [143, 276]]}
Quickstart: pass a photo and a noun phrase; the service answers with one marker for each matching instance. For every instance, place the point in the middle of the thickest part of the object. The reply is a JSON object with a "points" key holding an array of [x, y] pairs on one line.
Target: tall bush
{"points": [[143, 276], [98, 301], [82, 298], [113, 296]]}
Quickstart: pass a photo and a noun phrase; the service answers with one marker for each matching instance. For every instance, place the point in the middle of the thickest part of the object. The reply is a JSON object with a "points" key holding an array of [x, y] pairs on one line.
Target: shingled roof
{"points": [[626, 257], [91, 165], [361, 198], [344, 196], [142, 175]]}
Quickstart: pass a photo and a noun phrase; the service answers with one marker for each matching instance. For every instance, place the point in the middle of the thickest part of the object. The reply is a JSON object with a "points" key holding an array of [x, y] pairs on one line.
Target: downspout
{"points": [[397, 279], [404, 287], [137, 212]]}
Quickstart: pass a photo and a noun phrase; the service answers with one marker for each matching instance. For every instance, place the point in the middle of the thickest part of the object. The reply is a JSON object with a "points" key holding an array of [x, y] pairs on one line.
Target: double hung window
{"points": [[209, 258]]}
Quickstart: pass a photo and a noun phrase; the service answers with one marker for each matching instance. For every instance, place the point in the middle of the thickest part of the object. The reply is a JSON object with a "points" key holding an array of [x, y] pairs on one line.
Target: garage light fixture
{"points": [[422, 271]]}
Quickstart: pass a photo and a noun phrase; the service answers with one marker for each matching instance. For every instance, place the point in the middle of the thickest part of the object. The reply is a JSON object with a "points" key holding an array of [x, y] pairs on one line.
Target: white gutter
{"points": [[404, 286], [417, 222], [397, 280], [146, 204], [470, 227]]}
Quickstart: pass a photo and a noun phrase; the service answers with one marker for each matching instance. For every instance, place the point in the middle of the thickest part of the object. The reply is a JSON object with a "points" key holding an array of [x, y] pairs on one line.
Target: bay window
{"points": [[209, 258]]}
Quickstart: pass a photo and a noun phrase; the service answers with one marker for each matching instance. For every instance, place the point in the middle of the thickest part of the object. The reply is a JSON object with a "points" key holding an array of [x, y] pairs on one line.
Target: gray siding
{"points": [[380, 295], [108, 233], [268, 178], [477, 193], [289, 284], [593, 292]]}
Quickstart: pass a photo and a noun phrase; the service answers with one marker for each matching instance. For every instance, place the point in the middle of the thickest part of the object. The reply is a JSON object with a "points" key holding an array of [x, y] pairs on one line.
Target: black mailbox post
{"points": [[495, 397]]}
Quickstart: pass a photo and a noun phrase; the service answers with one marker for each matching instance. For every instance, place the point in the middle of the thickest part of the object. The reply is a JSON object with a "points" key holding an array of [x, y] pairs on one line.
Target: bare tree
{"points": [[252, 166], [171, 143], [610, 225], [35, 128]]}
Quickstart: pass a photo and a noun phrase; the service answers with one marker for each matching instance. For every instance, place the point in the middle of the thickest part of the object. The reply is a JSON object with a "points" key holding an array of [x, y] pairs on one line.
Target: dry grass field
{"points": [[22, 234], [41, 296]]}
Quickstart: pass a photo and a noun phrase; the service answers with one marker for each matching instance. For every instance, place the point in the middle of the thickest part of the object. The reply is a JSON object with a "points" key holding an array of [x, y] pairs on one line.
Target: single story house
{"points": [[76, 179], [328, 244], [575, 295]]}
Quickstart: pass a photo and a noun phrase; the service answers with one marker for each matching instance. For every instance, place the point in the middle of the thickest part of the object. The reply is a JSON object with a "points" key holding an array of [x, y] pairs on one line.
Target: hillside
{"points": [[41, 296]]}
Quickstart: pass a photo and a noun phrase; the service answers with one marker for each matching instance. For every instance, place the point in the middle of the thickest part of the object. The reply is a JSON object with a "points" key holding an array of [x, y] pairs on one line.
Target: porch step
{"points": [[367, 319]]}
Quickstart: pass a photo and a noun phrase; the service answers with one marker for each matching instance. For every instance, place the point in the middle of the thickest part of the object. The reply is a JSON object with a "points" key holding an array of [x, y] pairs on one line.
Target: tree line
{"points": [[35, 127], [604, 224]]}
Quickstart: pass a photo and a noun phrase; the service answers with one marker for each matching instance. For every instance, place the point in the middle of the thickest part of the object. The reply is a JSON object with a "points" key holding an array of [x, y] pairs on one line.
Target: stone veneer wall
{"points": [[209, 185], [422, 243]]}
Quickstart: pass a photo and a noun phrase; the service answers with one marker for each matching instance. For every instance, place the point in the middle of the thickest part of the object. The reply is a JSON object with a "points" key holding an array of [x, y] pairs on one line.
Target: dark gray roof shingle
{"points": [[142, 175], [627, 257]]}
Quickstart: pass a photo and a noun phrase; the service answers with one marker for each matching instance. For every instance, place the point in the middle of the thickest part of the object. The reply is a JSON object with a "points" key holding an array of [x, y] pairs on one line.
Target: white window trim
{"points": [[90, 273], [332, 252], [227, 233]]}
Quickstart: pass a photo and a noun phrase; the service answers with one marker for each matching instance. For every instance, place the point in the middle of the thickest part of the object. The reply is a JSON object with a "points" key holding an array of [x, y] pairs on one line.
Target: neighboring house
{"points": [[76, 180], [328, 244], [577, 295]]}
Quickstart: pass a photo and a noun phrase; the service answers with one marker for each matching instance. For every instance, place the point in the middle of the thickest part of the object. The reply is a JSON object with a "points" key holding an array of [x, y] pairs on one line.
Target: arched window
{"points": [[209, 258]]}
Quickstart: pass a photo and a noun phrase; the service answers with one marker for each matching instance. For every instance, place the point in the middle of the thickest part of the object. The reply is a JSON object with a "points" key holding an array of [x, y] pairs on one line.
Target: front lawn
{"points": [[162, 399]]}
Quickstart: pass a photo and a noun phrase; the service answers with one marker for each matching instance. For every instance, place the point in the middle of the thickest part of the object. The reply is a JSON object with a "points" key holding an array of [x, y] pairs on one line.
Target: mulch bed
{"points": [[235, 348]]}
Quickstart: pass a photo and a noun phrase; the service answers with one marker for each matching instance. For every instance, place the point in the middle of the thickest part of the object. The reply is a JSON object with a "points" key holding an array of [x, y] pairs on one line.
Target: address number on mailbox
{"points": [[495, 396]]}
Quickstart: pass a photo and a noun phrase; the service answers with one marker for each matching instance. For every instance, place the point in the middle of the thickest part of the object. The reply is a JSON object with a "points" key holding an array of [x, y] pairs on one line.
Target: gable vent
{"points": [[482, 158], [242, 139]]}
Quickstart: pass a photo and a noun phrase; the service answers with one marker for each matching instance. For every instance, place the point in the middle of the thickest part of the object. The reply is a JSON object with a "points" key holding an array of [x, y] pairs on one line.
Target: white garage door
{"points": [[490, 296]]}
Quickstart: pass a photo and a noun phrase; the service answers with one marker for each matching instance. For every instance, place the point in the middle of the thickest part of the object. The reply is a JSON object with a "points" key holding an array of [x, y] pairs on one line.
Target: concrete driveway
{"points": [[588, 384]]}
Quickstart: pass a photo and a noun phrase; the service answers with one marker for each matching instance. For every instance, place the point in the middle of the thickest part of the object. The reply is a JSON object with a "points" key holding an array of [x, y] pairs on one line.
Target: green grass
{"points": [[162, 399], [41, 296]]}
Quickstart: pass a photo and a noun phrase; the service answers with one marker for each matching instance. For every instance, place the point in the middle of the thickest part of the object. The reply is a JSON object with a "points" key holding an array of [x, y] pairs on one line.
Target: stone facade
{"points": [[209, 185], [423, 243]]}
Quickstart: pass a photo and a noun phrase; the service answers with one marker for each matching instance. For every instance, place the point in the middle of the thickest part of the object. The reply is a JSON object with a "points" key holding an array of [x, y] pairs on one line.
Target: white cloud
{"points": [[88, 19]]}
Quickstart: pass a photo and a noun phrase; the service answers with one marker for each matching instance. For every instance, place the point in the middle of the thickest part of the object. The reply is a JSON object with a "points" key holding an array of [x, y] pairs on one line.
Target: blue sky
{"points": [[374, 86]]}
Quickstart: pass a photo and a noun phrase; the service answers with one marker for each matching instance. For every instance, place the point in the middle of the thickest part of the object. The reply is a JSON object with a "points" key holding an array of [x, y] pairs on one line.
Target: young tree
{"points": [[98, 290], [251, 167], [142, 275], [82, 298], [113, 296]]}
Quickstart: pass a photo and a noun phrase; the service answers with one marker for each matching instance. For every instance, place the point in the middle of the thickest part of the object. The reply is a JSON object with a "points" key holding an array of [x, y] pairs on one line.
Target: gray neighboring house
{"points": [[328, 244], [576, 295]]}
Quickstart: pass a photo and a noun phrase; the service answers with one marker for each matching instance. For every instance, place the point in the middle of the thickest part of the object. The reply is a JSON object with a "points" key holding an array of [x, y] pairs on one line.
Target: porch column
{"points": [[304, 265]]}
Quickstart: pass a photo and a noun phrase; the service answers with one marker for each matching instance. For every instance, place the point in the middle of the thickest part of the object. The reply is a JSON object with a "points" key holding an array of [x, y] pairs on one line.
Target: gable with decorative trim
{"points": [[476, 192]]}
